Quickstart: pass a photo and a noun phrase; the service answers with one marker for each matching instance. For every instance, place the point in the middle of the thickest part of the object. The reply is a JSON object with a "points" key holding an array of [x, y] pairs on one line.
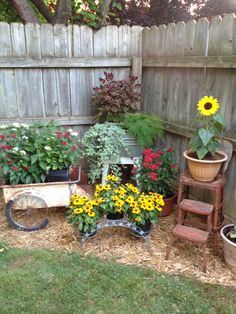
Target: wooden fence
{"points": [[48, 73]]}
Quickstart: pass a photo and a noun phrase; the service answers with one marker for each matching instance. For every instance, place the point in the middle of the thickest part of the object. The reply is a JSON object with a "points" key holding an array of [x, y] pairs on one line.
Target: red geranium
{"points": [[157, 171]]}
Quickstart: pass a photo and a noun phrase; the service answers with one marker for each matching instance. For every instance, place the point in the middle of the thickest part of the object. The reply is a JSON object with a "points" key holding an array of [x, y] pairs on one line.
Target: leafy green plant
{"points": [[205, 140], [231, 235], [157, 171], [115, 97], [28, 152], [101, 143], [145, 128], [83, 213]]}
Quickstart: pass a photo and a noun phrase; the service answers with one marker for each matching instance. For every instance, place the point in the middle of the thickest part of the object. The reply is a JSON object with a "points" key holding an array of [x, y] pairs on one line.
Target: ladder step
{"points": [[191, 234], [196, 207]]}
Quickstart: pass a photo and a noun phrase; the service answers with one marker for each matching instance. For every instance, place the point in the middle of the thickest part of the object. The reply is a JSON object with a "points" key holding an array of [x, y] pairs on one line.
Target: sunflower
{"points": [[208, 106]]}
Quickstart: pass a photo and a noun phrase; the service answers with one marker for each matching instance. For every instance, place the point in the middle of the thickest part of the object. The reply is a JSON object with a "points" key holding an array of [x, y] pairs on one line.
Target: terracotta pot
{"points": [[169, 205], [229, 247], [205, 170]]}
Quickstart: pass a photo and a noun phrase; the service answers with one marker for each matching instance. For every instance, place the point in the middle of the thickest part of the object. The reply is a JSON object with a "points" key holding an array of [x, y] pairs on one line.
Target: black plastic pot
{"points": [[115, 216], [58, 175]]}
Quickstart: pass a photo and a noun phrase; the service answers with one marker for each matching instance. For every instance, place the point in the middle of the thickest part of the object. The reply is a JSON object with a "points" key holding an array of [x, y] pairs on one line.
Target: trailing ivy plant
{"points": [[102, 143]]}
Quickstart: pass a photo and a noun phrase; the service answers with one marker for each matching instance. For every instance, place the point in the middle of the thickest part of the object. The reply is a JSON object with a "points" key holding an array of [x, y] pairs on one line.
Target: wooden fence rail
{"points": [[48, 72]]}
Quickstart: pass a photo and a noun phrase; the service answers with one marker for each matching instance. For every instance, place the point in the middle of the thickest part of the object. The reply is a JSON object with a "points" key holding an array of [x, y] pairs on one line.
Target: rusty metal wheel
{"points": [[27, 212]]}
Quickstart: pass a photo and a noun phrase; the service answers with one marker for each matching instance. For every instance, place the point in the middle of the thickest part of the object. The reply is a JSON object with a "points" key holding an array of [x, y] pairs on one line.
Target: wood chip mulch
{"points": [[119, 244]]}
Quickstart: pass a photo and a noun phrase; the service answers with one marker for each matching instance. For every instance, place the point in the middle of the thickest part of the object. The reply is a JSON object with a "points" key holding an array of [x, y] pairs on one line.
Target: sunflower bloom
{"points": [[207, 106]]}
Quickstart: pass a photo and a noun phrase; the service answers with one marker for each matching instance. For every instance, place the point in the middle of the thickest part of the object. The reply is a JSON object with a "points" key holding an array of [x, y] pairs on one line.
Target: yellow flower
{"points": [[138, 219], [208, 106], [78, 210], [136, 211], [158, 208], [107, 187], [91, 214], [130, 199], [111, 177], [119, 203]]}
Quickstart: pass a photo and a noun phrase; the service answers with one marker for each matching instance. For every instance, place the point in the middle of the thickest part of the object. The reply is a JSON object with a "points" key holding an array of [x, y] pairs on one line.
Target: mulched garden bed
{"points": [[119, 244]]}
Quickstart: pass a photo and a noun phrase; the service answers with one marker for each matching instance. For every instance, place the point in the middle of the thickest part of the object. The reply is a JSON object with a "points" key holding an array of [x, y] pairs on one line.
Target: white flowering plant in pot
{"points": [[28, 152]]}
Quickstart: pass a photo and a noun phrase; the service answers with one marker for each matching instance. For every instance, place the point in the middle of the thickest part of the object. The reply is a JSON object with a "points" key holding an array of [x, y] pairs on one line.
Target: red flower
{"points": [[59, 134], [73, 148], [154, 155], [147, 151], [135, 168], [172, 166], [158, 163], [11, 162], [153, 167], [25, 168], [15, 168], [146, 165], [2, 146], [148, 159], [7, 147], [13, 135], [67, 134], [153, 176], [2, 136], [170, 149], [64, 143]]}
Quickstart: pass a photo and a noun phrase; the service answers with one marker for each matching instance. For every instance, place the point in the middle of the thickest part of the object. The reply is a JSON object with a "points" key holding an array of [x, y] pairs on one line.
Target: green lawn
{"points": [[40, 281]]}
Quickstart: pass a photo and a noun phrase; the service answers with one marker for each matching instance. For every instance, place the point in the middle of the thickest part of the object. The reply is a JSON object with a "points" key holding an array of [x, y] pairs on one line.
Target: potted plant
{"points": [[83, 213], [113, 98], [144, 127], [156, 173], [204, 158], [228, 234], [29, 152], [101, 143]]}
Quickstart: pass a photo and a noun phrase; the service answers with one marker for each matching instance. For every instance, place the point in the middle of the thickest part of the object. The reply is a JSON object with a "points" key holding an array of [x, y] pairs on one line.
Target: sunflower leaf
{"points": [[205, 135], [201, 153], [219, 119]]}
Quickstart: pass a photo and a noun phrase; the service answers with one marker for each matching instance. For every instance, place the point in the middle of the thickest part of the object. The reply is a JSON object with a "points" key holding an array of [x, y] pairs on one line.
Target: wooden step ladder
{"points": [[194, 235]]}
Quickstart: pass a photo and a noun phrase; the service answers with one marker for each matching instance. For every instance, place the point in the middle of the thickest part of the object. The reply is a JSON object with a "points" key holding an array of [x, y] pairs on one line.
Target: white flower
{"points": [[70, 130], [22, 152], [74, 133], [15, 149], [13, 129], [25, 137], [3, 127], [16, 125], [24, 125], [47, 148], [48, 167]]}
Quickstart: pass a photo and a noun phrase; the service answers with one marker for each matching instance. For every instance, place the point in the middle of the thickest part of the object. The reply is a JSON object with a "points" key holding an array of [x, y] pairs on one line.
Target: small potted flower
{"points": [[204, 158], [118, 199], [156, 173], [29, 152], [83, 213]]}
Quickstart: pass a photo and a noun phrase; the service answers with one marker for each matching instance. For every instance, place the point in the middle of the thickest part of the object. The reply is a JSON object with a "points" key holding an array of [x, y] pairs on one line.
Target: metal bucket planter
{"points": [[229, 247]]}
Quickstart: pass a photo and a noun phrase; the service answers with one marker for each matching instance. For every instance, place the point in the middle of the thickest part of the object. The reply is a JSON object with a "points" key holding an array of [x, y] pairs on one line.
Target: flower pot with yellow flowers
{"points": [[204, 157], [83, 213]]}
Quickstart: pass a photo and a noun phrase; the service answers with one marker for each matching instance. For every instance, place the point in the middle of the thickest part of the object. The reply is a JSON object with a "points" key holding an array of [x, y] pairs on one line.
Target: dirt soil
{"points": [[121, 245]]}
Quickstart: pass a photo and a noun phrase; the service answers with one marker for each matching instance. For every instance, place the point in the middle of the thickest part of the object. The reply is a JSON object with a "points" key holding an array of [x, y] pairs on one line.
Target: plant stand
{"points": [[121, 161], [123, 223]]}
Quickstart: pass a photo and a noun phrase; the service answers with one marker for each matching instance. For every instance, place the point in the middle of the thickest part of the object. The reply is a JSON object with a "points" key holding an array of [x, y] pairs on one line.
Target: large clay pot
{"points": [[169, 205], [229, 247], [205, 170]]}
